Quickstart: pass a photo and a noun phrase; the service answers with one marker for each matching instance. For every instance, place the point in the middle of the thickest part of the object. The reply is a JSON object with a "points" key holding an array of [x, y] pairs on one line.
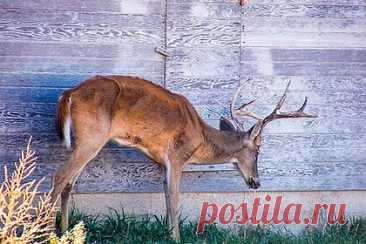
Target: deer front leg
{"points": [[173, 174]]}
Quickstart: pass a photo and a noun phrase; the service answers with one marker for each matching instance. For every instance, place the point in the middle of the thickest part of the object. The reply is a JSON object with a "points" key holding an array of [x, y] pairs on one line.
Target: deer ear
{"points": [[258, 140], [225, 124], [256, 130]]}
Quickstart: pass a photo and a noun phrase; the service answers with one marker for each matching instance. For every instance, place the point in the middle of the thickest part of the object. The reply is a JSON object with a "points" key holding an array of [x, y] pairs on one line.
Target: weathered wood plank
{"points": [[312, 2], [134, 66], [15, 17], [220, 183], [141, 7], [197, 9], [269, 2], [265, 54], [36, 25], [18, 118], [22, 95], [34, 18], [304, 10], [82, 34], [198, 23], [303, 39], [303, 68], [184, 31], [210, 182], [85, 50], [41, 79], [206, 62], [52, 80], [187, 64], [274, 25], [298, 62], [308, 82], [202, 1]]}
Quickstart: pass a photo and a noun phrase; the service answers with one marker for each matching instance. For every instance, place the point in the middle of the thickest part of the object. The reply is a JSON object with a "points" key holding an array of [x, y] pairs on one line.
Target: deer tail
{"points": [[63, 118]]}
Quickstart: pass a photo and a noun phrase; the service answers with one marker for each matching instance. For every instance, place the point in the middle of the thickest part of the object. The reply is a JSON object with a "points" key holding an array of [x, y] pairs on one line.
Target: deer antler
{"points": [[275, 114]]}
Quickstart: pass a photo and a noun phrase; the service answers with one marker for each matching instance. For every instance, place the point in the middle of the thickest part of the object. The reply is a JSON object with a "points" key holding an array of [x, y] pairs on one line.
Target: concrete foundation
{"points": [[154, 203]]}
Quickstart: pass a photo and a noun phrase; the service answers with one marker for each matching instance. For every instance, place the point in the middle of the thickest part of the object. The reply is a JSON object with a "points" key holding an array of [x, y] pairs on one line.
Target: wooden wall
{"points": [[48, 46]]}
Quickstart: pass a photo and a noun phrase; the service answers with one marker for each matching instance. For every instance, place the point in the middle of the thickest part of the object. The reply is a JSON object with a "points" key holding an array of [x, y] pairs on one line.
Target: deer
{"points": [[165, 126]]}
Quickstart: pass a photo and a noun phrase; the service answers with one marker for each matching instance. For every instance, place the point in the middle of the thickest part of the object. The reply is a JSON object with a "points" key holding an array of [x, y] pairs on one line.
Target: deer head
{"points": [[247, 157]]}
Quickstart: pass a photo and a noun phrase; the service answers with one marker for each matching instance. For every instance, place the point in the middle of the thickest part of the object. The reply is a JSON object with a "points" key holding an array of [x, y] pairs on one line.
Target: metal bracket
{"points": [[161, 51]]}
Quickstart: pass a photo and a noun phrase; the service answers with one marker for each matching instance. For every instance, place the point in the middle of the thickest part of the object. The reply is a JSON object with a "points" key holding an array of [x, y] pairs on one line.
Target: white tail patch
{"points": [[67, 126]]}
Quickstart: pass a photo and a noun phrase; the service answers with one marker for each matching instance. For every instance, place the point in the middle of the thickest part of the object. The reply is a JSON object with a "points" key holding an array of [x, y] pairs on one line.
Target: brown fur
{"points": [[144, 115]]}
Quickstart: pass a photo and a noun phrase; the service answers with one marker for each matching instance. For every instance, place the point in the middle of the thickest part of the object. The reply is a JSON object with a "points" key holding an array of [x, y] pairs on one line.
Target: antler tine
{"points": [[245, 104], [300, 112], [301, 109], [235, 97], [295, 114], [283, 98]]}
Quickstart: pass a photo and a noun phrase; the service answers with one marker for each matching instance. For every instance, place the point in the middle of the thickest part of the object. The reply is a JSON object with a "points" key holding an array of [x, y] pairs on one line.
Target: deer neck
{"points": [[218, 145]]}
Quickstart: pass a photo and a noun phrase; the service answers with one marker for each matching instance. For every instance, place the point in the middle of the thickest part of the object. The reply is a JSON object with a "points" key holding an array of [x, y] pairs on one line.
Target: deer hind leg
{"points": [[173, 174], [65, 176], [65, 196]]}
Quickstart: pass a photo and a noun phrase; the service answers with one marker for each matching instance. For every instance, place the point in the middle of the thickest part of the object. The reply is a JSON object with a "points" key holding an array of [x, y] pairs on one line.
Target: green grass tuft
{"points": [[122, 228]]}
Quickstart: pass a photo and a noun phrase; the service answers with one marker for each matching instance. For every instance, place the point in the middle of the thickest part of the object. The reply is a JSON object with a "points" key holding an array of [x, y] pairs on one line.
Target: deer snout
{"points": [[253, 183]]}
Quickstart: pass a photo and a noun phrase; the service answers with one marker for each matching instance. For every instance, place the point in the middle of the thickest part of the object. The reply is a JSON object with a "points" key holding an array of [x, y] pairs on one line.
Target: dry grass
{"points": [[25, 217], [21, 219], [76, 236]]}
